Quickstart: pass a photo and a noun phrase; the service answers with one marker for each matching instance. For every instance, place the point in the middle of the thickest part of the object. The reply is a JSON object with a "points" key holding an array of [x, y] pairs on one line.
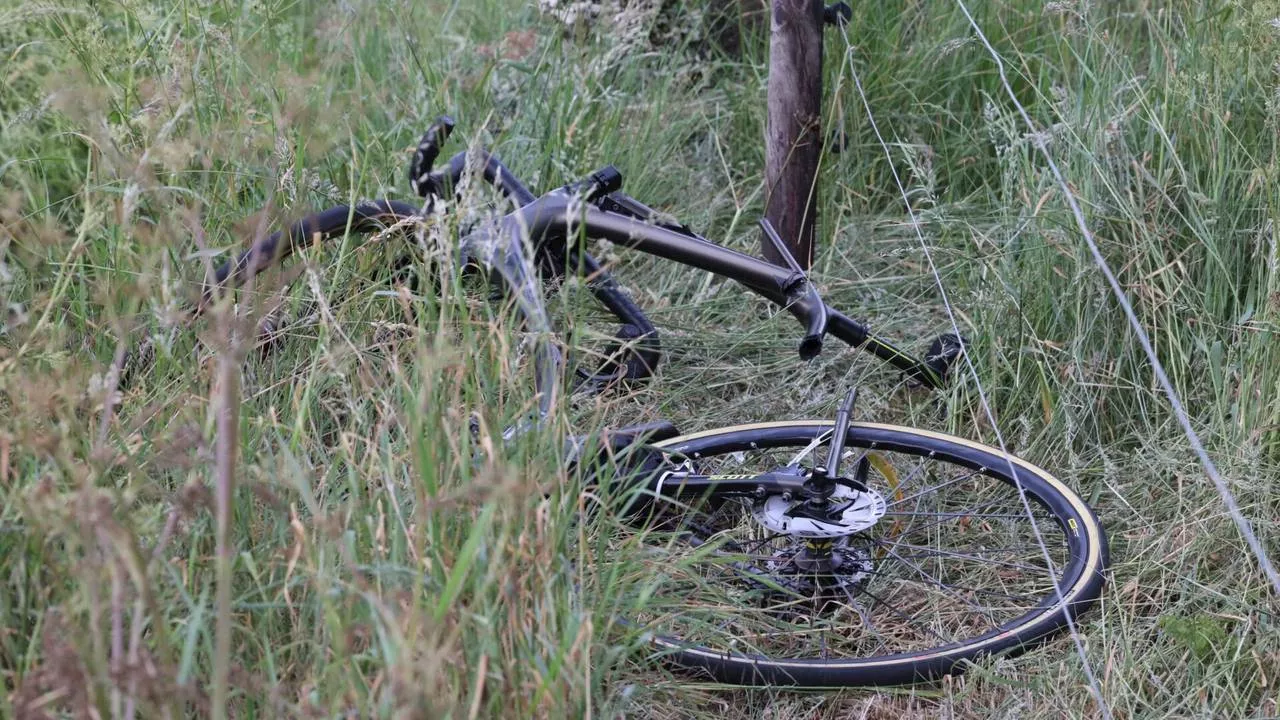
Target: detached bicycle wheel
{"points": [[959, 553]]}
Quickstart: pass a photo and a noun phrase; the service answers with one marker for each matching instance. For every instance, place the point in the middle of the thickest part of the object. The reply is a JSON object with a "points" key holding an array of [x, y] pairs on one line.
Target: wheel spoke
{"points": [[934, 488], [939, 583], [865, 617], [908, 480], [934, 552], [913, 528], [909, 619], [962, 588], [814, 445], [958, 515], [757, 544]]}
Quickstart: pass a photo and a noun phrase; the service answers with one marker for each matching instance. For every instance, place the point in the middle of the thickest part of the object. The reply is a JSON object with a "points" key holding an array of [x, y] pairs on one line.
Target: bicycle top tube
{"points": [[559, 215], [562, 212], [819, 318]]}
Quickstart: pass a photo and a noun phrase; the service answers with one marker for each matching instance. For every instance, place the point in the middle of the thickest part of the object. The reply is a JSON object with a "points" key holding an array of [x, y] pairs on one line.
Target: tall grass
{"points": [[387, 555]]}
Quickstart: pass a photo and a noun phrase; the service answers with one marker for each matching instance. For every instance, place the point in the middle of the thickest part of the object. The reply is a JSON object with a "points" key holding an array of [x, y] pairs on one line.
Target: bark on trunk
{"points": [[793, 140]]}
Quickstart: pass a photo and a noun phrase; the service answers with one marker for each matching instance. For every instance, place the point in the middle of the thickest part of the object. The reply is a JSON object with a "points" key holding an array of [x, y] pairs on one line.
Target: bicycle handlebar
{"points": [[320, 226], [429, 183], [493, 171]]}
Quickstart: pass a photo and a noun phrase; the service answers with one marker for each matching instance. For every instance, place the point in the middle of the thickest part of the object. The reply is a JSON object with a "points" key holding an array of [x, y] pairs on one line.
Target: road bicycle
{"points": [[553, 222], [787, 553]]}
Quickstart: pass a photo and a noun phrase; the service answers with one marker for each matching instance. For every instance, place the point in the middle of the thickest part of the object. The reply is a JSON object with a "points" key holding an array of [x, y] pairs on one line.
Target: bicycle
{"points": [[610, 215], [740, 519]]}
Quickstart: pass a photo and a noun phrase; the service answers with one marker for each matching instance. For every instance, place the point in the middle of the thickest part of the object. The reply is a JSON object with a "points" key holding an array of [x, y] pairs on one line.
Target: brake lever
{"points": [[425, 184]]}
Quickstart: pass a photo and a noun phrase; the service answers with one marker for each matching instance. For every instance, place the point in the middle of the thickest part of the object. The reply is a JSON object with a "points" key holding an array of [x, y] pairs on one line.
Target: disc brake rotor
{"points": [[864, 509]]}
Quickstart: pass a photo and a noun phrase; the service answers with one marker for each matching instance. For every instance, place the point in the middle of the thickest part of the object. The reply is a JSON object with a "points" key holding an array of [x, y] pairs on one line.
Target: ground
{"points": [[384, 560]]}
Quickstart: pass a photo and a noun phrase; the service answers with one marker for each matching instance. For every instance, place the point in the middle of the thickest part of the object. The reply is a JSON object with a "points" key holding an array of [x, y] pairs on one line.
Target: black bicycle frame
{"points": [[560, 216], [558, 222], [593, 209]]}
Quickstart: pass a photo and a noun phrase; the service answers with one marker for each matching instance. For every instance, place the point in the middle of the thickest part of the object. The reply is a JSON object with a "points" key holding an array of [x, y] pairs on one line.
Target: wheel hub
{"points": [[827, 573]]}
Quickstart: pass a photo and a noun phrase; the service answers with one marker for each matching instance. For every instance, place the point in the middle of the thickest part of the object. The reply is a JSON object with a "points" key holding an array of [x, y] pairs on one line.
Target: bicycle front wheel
{"points": [[973, 553]]}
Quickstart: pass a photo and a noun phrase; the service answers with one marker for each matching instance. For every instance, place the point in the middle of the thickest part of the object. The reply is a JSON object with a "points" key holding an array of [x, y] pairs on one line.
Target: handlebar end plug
{"points": [[439, 131], [810, 347]]}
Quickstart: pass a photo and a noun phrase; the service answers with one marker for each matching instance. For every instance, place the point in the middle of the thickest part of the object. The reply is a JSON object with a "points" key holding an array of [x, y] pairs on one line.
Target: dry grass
{"points": [[344, 545]]}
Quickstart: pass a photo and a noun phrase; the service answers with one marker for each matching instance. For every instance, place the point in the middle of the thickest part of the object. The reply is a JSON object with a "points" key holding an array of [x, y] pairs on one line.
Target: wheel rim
{"points": [[953, 569]]}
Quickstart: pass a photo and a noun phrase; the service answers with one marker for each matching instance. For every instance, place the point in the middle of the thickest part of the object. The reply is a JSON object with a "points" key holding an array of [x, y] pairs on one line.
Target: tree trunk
{"points": [[793, 138]]}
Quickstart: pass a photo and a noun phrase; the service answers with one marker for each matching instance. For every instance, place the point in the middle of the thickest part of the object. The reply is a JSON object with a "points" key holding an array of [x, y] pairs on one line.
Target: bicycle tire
{"points": [[327, 224], [1080, 585]]}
